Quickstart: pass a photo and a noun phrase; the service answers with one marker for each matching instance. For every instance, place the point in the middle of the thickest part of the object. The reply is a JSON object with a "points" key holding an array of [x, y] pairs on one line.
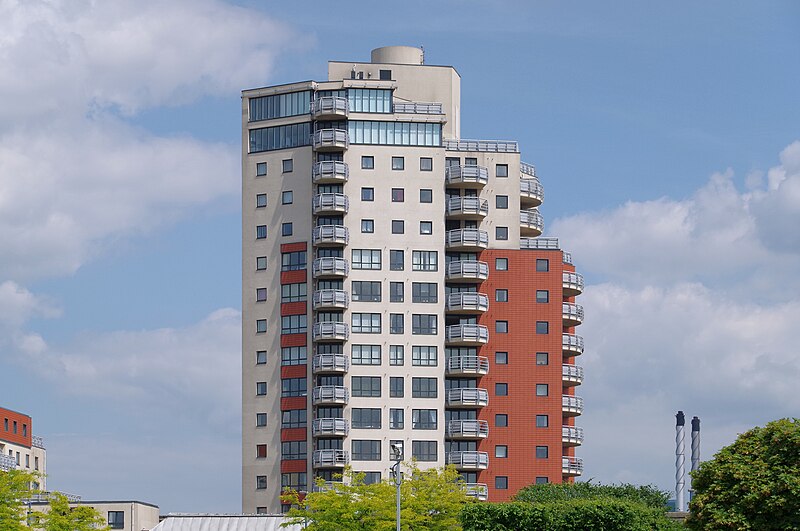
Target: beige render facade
{"points": [[345, 191]]}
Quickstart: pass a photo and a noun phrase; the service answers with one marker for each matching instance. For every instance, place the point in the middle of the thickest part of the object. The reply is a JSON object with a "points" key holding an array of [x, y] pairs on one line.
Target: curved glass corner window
{"points": [[370, 100], [394, 133], [280, 105], [281, 137]]}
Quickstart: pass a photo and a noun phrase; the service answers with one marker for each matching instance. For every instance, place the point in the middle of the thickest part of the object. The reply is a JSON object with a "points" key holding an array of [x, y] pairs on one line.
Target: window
{"points": [[501, 482], [385, 75], [261, 169], [394, 133], [542, 389], [425, 164], [501, 264], [424, 356], [396, 387], [286, 229], [423, 324], [367, 162], [542, 421], [366, 451], [501, 389], [367, 386], [542, 358], [287, 197], [542, 327], [261, 326], [116, 519], [424, 388], [261, 294], [398, 195], [293, 261], [501, 170], [398, 163], [261, 420], [542, 480], [396, 323], [396, 421], [398, 226], [366, 354], [366, 418], [261, 200], [501, 327], [371, 478], [261, 451], [426, 195], [542, 296], [424, 292], [261, 263], [501, 295], [501, 451], [396, 354], [366, 291], [426, 227], [398, 444], [541, 452], [294, 418], [501, 420], [279, 105], [396, 292], [424, 260], [261, 388], [287, 165], [501, 201], [542, 265], [261, 357], [281, 137], [424, 450], [368, 194], [501, 358], [366, 323], [261, 232], [366, 259], [294, 450], [424, 419], [368, 225], [470, 161], [294, 292], [293, 387], [293, 480], [396, 260], [501, 233], [261, 482]]}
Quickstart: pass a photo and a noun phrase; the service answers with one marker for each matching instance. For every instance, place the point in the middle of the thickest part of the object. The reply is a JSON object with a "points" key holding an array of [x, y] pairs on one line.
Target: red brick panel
{"points": [[293, 247], [294, 277], [8, 420], [293, 340], [294, 402], [294, 434], [293, 308], [293, 465], [294, 371]]}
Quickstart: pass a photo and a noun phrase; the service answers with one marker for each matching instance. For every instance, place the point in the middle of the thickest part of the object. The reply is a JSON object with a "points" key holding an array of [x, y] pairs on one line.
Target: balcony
{"points": [[466, 334], [531, 223], [466, 271], [330, 299], [326, 486], [571, 314], [330, 458], [330, 204], [572, 283], [567, 257], [538, 243], [466, 397], [329, 107], [330, 332], [571, 406], [417, 108], [466, 366], [330, 267], [466, 176], [492, 146], [467, 302], [7, 462], [571, 375], [330, 363], [37, 442], [324, 395], [467, 429], [466, 240], [468, 460], [467, 208], [478, 491], [330, 172], [527, 171], [330, 427], [571, 345], [571, 436], [531, 193], [330, 140], [329, 235], [571, 466]]}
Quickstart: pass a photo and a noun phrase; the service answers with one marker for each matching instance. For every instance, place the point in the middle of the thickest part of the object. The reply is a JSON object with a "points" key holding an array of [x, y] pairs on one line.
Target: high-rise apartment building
{"points": [[395, 291], [20, 448]]}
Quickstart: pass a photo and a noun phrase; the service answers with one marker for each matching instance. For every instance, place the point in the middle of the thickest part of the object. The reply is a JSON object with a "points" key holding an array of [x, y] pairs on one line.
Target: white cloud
{"points": [[18, 305], [777, 209]]}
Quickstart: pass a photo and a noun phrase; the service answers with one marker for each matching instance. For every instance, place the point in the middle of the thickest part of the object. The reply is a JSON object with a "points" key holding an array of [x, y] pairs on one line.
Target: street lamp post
{"points": [[397, 457]]}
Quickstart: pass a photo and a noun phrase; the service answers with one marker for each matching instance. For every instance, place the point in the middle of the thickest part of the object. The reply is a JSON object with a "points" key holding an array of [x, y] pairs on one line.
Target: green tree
{"points": [[551, 492], [15, 486], [430, 500], [62, 517], [752, 484]]}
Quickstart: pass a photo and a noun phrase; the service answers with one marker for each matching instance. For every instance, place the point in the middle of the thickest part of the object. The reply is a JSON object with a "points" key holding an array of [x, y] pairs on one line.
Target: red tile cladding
{"points": [[521, 373], [293, 340], [293, 308], [294, 277], [293, 465], [294, 402], [294, 371], [294, 434], [8, 435], [293, 247]]}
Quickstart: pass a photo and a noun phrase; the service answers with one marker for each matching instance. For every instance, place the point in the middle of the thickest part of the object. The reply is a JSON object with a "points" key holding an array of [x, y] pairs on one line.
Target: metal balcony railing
{"points": [[338, 363], [466, 175], [529, 170], [333, 171], [329, 202], [330, 106], [467, 206], [497, 146], [467, 270], [466, 365], [571, 435], [330, 266], [467, 302], [466, 397], [571, 466], [567, 258], [330, 234], [334, 427], [330, 394], [468, 460], [330, 139], [571, 344], [572, 283], [571, 313], [37, 441], [571, 374], [571, 405], [7, 462], [330, 298], [477, 490], [531, 220], [531, 191], [468, 429], [466, 333], [331, 331], [417, 108], [538, 243], [472, 238], [330, 458]]}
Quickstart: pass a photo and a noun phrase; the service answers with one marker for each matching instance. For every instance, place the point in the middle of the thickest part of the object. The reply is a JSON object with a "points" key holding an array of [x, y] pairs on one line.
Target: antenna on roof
{"points": [[422, 55]]}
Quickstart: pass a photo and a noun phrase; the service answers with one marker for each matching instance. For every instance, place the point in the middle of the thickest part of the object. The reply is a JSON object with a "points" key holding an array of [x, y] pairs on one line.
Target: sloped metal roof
{"points": [[224, 522]]}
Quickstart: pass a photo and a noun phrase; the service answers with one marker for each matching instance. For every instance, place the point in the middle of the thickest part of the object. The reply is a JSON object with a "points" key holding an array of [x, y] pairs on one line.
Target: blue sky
{"points": [[667, 138]]}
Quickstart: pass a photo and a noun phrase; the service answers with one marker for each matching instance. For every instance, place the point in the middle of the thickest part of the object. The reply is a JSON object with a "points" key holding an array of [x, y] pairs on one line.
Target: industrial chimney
{"points": [[680, 459], [695, 451]]}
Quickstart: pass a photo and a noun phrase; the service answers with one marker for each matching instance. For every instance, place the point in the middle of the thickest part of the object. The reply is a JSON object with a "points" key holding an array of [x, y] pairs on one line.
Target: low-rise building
{"points": [[19, 448]]}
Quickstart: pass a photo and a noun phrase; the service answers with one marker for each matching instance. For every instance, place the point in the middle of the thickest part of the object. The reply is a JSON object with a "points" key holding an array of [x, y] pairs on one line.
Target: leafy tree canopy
{"points": [[647, 495], [62, 517], [15, 486], [752, 484]]}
